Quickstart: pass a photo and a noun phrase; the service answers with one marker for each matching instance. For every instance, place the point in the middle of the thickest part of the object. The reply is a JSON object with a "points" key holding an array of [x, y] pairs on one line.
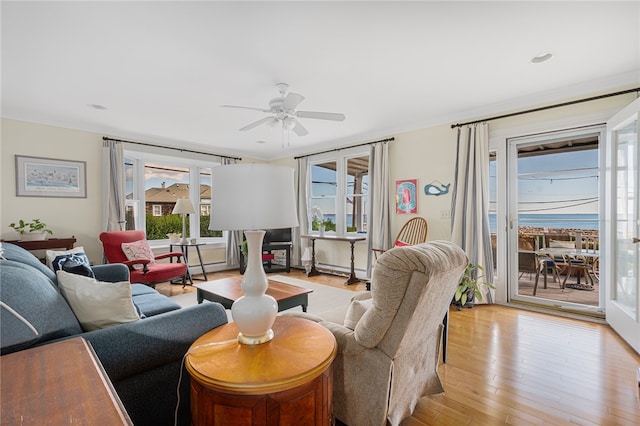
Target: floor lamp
{"points": [[184, 207], [253, 197]]}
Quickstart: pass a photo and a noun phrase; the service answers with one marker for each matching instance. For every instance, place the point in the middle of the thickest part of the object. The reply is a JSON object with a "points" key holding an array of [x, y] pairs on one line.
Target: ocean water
{"points": [[557, 220], [566, 221]]}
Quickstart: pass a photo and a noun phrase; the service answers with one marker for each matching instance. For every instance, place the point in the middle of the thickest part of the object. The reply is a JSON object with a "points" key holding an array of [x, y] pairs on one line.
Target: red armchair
{"points": [[151, 272]]}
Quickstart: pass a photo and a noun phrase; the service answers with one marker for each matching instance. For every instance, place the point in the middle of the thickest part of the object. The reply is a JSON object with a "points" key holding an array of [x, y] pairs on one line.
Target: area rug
{"points": [[323, 298]]}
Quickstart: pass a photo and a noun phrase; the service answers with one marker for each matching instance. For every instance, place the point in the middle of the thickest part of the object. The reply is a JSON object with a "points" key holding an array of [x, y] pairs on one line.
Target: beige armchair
{"points": [[390, 357]]}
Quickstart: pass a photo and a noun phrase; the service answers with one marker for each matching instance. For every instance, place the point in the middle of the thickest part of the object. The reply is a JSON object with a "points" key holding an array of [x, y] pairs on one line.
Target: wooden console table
{"points": [[59, 383], [352, 239], [48, 244], [287, 381]]}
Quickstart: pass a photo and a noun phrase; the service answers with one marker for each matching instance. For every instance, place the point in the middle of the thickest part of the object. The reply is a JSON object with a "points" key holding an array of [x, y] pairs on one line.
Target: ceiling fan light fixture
{"points": [[284, 109], [289, 123]]}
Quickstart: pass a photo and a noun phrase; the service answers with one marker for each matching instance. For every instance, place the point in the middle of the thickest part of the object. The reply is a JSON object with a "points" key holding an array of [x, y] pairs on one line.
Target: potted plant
{"points": [[31, 231], [470, 286], [317, 219], [174, 237]]}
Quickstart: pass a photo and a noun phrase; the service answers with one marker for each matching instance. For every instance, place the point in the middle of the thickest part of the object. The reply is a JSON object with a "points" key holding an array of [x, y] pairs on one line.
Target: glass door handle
{"points": [[635, 240]]}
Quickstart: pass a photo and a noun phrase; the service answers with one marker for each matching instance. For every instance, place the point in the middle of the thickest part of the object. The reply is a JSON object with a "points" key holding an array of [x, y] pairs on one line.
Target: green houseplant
{"points": [[34, 230], [470, 286]]}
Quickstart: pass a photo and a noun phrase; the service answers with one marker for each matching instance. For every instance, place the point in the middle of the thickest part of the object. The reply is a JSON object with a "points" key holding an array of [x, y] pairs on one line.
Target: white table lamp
{"points": [[253, 197], [184, 207]]}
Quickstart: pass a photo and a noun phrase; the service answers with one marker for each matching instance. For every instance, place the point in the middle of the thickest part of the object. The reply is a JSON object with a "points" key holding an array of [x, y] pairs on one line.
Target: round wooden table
{"points": [[286, 381]]}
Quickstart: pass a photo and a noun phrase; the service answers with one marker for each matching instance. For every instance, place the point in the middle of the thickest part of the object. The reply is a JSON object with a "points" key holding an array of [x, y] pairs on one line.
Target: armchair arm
{"points": [[176, 254], [113, 272], [132, 348], [345, 337], [130, 263]]}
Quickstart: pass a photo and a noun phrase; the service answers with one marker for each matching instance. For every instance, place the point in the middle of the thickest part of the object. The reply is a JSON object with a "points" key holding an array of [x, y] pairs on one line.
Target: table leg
{"points": [[204, 273], [313, 271], [288, 259], [185, 254], [352, 277]]}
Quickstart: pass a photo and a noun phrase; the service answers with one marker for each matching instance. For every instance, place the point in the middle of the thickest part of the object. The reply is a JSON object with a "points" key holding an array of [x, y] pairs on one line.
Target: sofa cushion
{"points": [[29, 297], [18, 254], [97, 304], [152, 303]]}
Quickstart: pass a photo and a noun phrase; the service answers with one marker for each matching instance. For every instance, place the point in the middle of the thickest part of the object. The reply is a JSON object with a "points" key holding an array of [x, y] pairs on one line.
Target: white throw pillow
{"points": [[138, 250], [97, 304], [55, 258], [356, 310]]}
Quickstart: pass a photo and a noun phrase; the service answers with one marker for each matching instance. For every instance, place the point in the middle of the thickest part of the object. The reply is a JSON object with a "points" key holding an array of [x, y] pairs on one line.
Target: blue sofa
{"points": [[143, 358]]}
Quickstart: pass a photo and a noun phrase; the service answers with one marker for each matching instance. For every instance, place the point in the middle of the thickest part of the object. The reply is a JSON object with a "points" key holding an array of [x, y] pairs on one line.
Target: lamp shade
{"points": [[252, 196], [183, 206]]}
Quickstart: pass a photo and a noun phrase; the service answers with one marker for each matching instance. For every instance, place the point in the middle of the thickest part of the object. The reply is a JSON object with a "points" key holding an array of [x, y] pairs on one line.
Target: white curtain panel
{"points": [[379, 214], [302, 168], [113, 180], [470, 200]]}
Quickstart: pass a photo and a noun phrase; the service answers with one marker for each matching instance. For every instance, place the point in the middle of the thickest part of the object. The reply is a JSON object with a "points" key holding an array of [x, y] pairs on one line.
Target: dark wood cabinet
{"points": [[48, 244]]}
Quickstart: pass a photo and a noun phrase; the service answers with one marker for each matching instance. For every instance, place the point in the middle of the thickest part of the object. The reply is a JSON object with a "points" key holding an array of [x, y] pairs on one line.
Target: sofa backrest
{"points": [[32, 310], [18, 254]]}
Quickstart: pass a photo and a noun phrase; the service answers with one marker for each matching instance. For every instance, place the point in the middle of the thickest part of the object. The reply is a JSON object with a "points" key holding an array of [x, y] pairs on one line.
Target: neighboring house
{"points": [[160, 201]]}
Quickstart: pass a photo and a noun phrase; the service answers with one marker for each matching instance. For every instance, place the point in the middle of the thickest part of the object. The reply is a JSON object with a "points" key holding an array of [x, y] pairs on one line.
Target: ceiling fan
{"points": [[283, 110]]}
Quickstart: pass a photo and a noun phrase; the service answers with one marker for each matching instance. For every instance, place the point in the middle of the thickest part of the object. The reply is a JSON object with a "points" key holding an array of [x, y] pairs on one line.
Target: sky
{"points": [[556, 183]]}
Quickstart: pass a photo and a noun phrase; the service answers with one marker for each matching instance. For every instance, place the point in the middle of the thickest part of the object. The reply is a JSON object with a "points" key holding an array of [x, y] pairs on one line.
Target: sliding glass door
{"points": [[553, 219]]}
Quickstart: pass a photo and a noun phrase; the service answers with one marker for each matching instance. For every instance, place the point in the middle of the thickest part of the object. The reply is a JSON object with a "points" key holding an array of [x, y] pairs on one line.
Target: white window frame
{"points": [[340, 158], [141, 154], [156, 209]]}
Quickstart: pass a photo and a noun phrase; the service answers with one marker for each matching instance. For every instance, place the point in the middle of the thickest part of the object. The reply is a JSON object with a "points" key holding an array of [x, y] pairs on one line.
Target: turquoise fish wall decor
{"points": [[439, 189]]}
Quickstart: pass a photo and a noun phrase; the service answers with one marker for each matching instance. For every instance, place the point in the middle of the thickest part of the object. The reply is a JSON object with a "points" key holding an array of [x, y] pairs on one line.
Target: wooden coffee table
{"points": [[227, 290]]}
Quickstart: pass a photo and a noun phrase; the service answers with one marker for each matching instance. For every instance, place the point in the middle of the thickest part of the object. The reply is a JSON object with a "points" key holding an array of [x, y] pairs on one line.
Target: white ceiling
{"points": [[162, 69]]}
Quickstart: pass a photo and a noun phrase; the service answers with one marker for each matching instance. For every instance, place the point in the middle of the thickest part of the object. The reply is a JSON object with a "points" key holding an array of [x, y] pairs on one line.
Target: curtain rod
{"points": [[345, 147], [577, 101], [104, 138]]}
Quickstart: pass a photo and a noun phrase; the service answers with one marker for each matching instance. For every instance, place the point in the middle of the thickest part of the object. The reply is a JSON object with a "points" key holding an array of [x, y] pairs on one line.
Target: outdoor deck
{"points": [[554, 292]]}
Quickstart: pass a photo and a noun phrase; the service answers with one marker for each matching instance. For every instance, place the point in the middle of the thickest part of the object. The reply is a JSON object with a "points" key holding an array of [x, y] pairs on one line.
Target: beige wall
{"points": [[427, 155], [80, 217]]}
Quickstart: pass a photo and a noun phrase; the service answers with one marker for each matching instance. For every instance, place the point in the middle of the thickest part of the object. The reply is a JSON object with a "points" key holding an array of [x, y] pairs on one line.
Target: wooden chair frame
{"points": [[413, 232]]}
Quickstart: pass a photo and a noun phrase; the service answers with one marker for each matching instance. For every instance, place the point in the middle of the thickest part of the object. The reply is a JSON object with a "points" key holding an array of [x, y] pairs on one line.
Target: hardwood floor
{"points": [[509, 366]]}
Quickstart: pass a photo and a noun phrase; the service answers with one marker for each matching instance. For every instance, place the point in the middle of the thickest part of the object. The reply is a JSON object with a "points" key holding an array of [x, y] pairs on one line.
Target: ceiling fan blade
{"points": [[244, 107], [321, 115], [299, 129], [292, 100], [257, 123]]}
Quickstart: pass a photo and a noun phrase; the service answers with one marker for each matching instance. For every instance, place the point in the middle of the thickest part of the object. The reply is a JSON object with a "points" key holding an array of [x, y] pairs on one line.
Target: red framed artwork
{"points": [[406, 196]]}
